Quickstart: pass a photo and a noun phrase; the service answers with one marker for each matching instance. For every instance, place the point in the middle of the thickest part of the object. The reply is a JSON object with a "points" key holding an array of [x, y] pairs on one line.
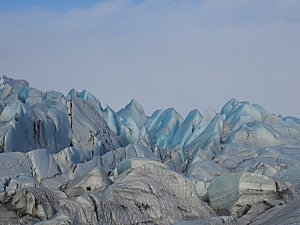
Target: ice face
{"points": [[187, 128], [207, 118], [229, 106], [244, 113], [135, 111], [112, 119], [163, 125]]}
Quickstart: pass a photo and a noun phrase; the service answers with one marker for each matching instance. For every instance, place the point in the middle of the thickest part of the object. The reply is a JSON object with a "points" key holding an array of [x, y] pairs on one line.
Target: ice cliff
{"points": [[68, 160]]}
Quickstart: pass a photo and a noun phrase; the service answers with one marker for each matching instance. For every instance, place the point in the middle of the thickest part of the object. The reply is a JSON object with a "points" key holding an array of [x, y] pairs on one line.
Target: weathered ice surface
{"points": [[135, 163], [43, 165], [162, 196], [222, 220], [277, 214], [68, 160], [89, 130], [16, 84], [235, 193], [34, 127], [96, 180]]}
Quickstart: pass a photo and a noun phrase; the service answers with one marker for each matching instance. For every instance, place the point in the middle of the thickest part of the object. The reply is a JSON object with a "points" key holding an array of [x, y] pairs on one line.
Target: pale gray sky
{"points": [[185, 54]]}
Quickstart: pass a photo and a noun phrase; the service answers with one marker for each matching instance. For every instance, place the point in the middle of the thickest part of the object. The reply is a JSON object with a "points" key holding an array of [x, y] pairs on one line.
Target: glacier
{"points": [[66, 159]]}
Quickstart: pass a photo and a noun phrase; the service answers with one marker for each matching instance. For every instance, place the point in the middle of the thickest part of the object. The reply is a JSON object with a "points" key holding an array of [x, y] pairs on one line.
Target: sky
{"points": [[163, 53]]}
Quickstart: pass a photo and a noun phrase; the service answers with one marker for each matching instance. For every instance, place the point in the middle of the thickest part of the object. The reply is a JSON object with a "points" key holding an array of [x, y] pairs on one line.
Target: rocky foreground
{"points": [[67, 160]]}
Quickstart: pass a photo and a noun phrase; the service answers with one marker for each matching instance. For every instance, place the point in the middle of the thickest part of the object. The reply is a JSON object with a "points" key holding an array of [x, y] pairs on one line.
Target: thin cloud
{"points": [[186, 54]]}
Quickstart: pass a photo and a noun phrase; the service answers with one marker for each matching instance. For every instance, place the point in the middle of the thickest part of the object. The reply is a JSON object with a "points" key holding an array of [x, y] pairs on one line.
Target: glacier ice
{"points": [[68, 160]]}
